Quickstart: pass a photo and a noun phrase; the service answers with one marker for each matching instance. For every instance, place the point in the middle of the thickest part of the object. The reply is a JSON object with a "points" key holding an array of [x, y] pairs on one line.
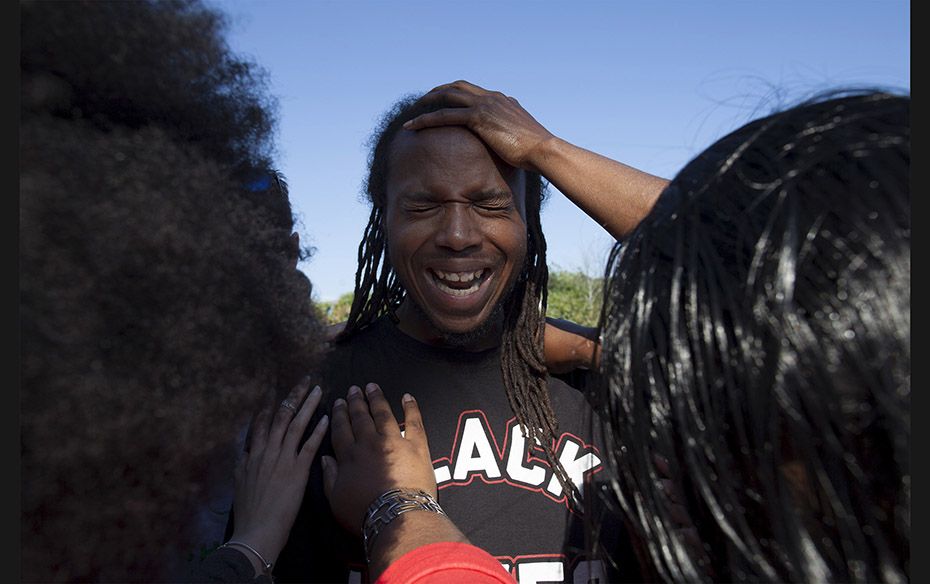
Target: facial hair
{"points": [[468, 339]]}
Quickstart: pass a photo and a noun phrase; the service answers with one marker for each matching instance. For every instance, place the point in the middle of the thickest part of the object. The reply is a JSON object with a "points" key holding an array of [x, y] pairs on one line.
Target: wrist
{"points": [[406, 533], [261, 563], [542, 155], [391, 505]]}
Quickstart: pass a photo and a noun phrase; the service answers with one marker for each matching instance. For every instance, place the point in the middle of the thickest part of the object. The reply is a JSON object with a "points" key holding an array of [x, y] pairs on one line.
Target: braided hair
{"points": [[379, 292], [756, 334]]}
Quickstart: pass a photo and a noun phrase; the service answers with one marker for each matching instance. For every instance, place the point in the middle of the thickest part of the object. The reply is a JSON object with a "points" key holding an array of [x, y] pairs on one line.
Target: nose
{"points": [[459, 229]]}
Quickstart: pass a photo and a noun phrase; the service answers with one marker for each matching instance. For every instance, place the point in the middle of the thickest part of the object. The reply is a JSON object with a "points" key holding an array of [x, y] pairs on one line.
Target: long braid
{"points": [[522, 357], [379, 292]]}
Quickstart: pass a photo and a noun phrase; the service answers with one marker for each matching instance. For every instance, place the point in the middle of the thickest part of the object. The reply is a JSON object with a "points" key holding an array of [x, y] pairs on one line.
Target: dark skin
{"points": [[456, 230], [569, 345], [372, 457], [272, 475], [615, 195]]}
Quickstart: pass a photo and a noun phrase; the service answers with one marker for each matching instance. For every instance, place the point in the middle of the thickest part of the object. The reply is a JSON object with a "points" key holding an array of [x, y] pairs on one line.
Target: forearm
{"points": [[615, 195], [569, 346], [407, 532]]}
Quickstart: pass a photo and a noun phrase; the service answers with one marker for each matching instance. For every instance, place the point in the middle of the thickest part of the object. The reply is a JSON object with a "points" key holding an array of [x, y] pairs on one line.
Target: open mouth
{"points": [[459, 283]]}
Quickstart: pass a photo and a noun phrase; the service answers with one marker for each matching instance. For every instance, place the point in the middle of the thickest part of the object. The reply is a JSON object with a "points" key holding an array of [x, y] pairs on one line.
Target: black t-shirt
{"points": [[500, 492]]}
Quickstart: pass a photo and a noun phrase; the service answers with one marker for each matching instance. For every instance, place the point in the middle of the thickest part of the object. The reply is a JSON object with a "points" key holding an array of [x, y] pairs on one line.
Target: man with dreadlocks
{"points": [[756, 340], [449, 305]]}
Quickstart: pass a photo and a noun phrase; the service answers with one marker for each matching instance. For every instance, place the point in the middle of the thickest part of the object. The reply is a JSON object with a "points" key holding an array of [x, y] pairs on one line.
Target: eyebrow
{"points": [[491, 194], [485, 195], [416, 196]]}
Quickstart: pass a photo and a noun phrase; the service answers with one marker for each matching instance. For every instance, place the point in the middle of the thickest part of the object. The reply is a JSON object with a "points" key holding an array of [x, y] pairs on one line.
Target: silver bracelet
{"points": [[268, 566], [388, 506]]}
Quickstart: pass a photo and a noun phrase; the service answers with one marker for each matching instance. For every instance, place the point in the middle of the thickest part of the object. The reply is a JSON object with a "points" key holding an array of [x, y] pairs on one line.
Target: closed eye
{"points": [[493, 202], [420, 209], [501, 207]]}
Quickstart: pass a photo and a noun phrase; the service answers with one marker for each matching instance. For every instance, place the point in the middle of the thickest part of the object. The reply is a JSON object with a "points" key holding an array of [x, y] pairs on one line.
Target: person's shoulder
{"points": [[374, 332], [368, 348]]}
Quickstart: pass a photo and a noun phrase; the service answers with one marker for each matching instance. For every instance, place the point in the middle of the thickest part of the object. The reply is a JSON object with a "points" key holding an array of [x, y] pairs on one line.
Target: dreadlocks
{"points": [[756, 332], [379, 292]]}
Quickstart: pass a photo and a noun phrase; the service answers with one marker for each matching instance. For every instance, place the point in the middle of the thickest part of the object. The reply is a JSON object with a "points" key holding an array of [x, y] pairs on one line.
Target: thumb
{"points": [[330, 472]]}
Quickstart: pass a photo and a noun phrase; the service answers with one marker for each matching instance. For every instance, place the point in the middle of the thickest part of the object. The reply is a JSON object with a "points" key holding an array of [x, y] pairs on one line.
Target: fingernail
{"points": [[316, 391], [408, 123], [324, 421], [326, 462], [339, 403], [407, 398], [354, 390], [371, 387]]}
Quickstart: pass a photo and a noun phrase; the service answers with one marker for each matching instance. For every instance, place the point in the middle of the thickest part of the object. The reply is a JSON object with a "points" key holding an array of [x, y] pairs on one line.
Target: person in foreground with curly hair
{"points": [[755, 345], [160, 304]]}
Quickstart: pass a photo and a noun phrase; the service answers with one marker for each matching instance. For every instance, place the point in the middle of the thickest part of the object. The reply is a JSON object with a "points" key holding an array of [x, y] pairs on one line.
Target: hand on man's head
{"points": [[498, 119]]}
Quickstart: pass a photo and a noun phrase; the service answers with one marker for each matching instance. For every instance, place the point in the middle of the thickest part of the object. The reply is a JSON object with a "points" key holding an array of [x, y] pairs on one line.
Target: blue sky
{"points": [[649, 83]]}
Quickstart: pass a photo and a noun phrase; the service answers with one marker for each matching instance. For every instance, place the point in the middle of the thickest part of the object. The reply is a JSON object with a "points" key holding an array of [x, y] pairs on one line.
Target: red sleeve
{"points": [[441, 563]]}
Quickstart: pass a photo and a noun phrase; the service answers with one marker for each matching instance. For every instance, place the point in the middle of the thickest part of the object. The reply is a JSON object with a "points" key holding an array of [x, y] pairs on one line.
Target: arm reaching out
{"points": [[570, 346], [373, 457], [615, 195], [272, 476]]}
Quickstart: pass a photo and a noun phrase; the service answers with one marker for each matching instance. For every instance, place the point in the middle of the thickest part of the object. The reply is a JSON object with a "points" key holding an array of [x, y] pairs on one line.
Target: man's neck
{"points": [[413, 322]]}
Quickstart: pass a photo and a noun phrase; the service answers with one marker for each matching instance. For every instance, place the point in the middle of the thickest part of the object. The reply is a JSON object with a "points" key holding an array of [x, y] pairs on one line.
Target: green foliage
{"points": [[575, 296], [336, 312]]}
